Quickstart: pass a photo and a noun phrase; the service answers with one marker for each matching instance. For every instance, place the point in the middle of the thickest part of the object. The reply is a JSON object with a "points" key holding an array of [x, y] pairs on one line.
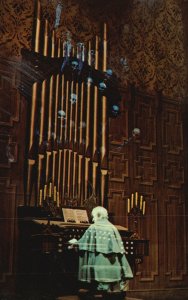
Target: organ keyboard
{"points": [[51, 236]]}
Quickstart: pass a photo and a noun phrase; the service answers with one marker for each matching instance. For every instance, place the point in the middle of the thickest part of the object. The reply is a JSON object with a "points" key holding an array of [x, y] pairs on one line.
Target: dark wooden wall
{"points": [[154, 165]]}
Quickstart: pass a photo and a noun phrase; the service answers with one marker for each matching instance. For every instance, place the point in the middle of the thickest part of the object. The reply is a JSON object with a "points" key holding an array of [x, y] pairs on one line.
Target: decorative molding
{"points": [[145, 169], [118, 166], [150, 269], [118, 206], [175, 242], [173, 174], [145, 119], [172, 132]]}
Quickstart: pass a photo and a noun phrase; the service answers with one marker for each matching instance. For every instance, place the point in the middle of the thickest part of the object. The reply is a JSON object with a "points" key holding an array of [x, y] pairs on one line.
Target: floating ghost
{"points": [[124, 63], [61, 114], [115, 110], [74, 65], [73, 98], [102, 86], [58, 15], [89, 80], [109, 72]]}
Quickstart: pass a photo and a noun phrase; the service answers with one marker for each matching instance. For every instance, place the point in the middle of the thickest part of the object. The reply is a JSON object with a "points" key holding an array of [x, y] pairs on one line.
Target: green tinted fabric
{"points": [[103, 267], [102, 255], [102, 237]]}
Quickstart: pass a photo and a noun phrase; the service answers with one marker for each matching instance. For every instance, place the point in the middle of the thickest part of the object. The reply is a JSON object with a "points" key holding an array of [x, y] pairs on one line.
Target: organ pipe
{"points": [[72, 123]]}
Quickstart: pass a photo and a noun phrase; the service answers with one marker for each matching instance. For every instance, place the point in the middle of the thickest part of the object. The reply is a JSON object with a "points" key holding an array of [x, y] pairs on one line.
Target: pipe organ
{"points": [[71, 94], [68, 122]]}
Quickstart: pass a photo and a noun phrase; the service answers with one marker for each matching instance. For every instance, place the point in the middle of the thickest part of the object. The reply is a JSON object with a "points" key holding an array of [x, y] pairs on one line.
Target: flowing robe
{"points": [[102, 256]]}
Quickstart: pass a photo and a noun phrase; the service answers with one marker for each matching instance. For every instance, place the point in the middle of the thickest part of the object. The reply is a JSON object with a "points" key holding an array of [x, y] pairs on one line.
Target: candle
{"points": [[141, 201], [144, 207], [136, 198], [128, 206], [55, 193], [50, 190], [132, 200], [57, 199], [40, 198], [45, 191]]}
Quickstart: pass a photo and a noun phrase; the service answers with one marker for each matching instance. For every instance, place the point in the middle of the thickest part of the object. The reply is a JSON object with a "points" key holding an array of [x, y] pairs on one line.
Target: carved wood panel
{"points": [[145, 167], [154, 168], [175, 246], [172, 134], [118, 166], [118, 206]]}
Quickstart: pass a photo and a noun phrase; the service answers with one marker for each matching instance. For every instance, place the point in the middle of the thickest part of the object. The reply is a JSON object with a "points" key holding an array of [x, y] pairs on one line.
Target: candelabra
{"points": [[136, 207], [49, 200]]}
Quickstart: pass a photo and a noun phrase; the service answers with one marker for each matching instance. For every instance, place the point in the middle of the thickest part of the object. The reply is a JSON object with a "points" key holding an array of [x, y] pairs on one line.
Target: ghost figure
{"points": [[136, 132], [67, 47], [61, 114], [74, 65], [124, 63], [80, 51], [109, 73], [58, 14], [80, 56], [102, 86], [102, 257], [115, 110], [89, 80], [9, 154], [73, 98]]}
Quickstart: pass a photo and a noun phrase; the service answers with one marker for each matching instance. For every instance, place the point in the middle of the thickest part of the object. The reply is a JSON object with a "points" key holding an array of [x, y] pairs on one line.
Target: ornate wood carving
{"points": [[145, 119], [172, 129], [175, 246], [174, 174], [145, 167], [118, 166], [156, 170]]}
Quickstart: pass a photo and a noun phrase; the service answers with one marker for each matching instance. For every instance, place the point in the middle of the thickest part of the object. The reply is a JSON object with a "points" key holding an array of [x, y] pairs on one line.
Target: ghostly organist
{"points": [[103, 266]]}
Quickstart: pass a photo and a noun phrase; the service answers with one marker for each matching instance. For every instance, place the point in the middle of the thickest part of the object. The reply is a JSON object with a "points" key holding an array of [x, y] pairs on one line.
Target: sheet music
{"points": [[75, 215], [81, 216]]}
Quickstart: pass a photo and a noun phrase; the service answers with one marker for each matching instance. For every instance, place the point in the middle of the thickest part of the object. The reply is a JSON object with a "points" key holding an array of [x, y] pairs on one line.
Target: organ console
{"points": [[40, 233]]}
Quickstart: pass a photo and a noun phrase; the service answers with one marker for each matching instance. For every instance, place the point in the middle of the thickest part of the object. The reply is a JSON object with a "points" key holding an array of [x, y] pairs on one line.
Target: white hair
{"points": [[99, 213]]}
